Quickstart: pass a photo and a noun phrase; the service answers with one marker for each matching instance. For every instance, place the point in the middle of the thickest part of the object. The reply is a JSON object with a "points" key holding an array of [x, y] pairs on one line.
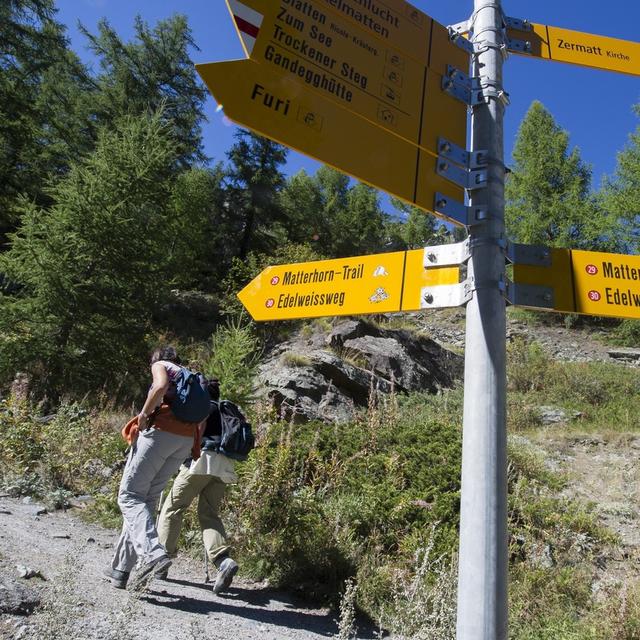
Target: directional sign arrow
{"points": [[588, 282], [585, 49], [339, 59], [282, 109], [382, 283]]}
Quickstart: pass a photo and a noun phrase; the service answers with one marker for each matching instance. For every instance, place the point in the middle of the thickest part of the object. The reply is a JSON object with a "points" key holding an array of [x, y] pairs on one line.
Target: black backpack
{"points": [[236, 438]]}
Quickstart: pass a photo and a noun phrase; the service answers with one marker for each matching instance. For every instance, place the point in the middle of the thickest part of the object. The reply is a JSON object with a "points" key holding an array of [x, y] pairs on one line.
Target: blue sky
{"points": [[593, 105]]}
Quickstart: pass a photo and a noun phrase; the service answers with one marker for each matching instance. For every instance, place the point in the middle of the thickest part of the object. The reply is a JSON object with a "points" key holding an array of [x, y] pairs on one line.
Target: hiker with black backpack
{"points": [[168, 428], [225, 439]]}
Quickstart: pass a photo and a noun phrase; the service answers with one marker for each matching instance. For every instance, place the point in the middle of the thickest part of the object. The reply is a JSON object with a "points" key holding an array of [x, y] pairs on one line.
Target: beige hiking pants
{"points": [[210, 491]]}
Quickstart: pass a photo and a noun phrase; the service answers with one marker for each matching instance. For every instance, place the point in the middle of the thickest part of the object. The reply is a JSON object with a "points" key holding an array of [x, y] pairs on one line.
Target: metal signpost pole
{"points": [[482, 582]]}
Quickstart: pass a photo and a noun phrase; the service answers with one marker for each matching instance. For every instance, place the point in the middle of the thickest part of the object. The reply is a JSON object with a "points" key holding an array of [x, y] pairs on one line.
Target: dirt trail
{"points": [[78, 604]]}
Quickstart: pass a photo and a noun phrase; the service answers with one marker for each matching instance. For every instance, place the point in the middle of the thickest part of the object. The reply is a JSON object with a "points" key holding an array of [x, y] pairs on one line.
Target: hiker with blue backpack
{"points": [[167, 429], [226, 438]]}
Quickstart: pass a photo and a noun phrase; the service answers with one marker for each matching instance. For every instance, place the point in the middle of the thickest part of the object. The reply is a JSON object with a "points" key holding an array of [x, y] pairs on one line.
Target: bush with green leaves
{"points": [[319, 503], [75, 451], [627, 334]]}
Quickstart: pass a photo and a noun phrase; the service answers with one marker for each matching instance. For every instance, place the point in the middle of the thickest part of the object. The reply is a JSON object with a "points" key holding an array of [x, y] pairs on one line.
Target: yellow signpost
{"points": [[339, 59], [281, 109], [586, 49], [382, 283], [588, 282]]}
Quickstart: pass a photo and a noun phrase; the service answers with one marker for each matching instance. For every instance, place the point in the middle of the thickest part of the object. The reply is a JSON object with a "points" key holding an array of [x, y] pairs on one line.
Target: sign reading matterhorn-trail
{"points": [[357, 85], [588, 282], [382, 283]]}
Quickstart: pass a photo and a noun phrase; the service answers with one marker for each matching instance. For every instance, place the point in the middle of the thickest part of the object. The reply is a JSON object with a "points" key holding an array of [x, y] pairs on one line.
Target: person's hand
{"points": [[143, 421]]}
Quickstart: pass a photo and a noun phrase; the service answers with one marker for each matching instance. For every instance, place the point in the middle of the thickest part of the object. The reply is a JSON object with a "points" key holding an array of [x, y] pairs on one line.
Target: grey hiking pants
{"points": [[210, 491], [154, 458]]}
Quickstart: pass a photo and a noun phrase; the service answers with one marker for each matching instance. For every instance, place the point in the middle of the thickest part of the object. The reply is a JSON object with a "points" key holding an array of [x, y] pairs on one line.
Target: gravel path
{"points": [[78, 604]]}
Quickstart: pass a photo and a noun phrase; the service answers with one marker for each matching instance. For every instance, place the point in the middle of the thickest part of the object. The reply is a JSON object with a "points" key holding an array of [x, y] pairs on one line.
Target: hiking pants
{"points": [[154, 458], [210, 491]]}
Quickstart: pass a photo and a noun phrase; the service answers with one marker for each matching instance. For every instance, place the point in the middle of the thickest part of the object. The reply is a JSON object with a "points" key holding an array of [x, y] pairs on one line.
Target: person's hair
{"points": [[165, 353], [213, 387]]}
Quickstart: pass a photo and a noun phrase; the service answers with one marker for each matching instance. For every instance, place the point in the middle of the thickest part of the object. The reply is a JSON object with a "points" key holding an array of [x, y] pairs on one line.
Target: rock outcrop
{"points": [[328, 377]]}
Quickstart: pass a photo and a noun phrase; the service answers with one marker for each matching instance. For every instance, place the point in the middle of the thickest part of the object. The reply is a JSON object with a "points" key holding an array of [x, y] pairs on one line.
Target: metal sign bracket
{"points": [[474, 179], [447, 255], [461, 86], [463, 214], [468, 159], [530, 254], [518, 46], [456, 35], [529, 295], [518, 24], [446, 295]]}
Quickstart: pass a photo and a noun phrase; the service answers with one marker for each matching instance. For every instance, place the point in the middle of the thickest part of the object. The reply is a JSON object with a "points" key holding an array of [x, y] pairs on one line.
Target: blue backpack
{"points": [[192, 401]]}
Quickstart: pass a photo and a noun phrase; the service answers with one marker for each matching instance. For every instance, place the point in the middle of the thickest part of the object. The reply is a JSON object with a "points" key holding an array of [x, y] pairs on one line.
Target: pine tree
{"points": [[359, 227], [88, 272], [547, 192], [416, 229], [339, 218], [153, 71], [303, 206], [255, 180], [43, 105]]}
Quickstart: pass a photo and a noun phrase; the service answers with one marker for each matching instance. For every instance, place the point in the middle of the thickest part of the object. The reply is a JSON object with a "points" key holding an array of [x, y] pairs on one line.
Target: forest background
{"points": [[109, 209]]}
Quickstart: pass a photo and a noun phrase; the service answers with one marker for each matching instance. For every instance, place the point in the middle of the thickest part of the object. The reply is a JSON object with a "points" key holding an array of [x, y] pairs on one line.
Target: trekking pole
{"points": [[160, 504], [206, 564]]}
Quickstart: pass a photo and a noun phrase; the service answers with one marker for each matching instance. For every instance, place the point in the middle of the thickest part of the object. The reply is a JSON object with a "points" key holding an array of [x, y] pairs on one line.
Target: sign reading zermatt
{"points": [[354, 84], [574, 47]]}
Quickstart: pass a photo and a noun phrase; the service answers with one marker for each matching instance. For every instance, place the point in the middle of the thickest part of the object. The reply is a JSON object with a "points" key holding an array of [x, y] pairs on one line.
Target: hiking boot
{"points": [[163, 575], [116, 577], [148, 571], [227, 569]]}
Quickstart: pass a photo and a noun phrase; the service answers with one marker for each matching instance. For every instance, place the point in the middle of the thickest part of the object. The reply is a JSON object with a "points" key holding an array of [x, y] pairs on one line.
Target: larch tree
{"points": [[621, 193], [152, 71], [547, 193]]}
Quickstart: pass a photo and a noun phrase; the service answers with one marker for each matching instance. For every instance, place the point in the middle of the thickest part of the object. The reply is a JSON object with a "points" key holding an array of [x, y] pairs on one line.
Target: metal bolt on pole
{"points": [[482, 580]]}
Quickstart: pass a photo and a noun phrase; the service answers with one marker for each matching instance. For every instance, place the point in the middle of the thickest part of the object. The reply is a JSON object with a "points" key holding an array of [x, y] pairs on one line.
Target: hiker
{"points": [[159, 443], [206, 479]]}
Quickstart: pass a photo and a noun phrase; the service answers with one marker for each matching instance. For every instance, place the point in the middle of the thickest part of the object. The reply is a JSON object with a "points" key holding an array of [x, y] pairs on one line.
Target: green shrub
{"points": [[317, 503], [527, 366], [74, 452], [626, 334], [233, 357]]}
